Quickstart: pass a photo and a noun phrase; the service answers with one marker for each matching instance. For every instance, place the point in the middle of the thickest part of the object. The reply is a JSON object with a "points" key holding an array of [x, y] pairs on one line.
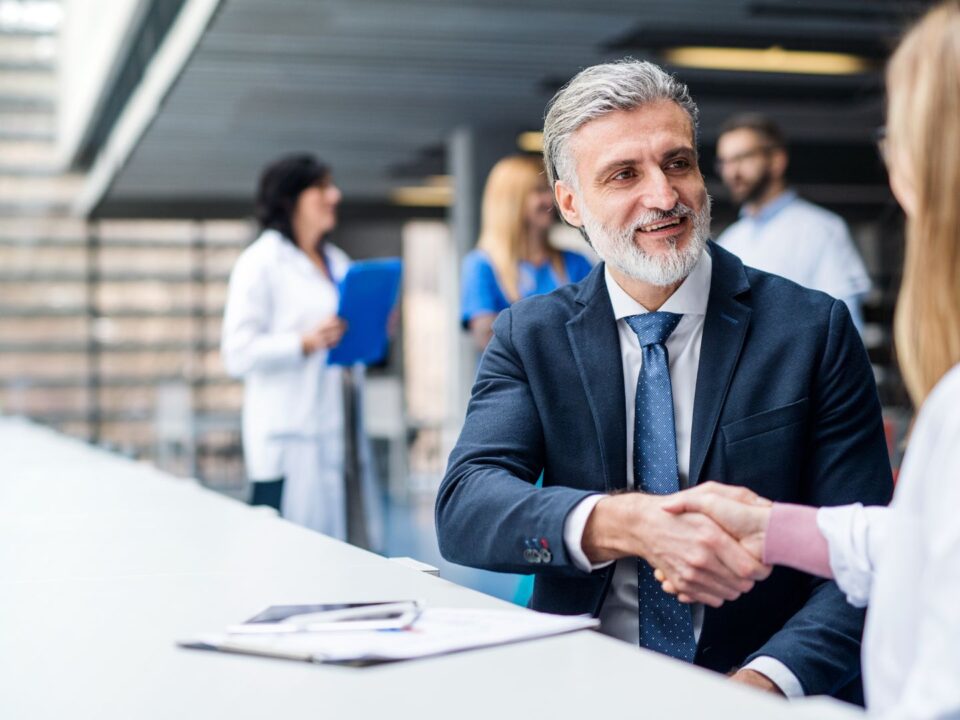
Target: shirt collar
{"points": [[688, 299], [768, 211]]}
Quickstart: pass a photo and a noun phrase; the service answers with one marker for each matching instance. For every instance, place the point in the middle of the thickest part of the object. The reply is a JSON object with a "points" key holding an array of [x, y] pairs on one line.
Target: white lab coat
{"points": [[904, 561], [293, 404]]}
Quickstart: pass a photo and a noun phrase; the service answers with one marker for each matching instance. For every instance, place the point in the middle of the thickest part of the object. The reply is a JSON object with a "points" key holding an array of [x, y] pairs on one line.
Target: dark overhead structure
{"points": [[376, 87]]}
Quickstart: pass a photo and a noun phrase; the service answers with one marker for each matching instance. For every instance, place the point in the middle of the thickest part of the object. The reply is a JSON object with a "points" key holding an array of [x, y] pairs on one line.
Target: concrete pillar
{"points": [[471, 153]]}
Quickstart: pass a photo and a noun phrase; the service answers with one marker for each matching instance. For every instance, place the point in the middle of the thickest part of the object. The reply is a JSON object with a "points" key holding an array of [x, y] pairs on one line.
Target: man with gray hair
{"points": [[670, 365]]}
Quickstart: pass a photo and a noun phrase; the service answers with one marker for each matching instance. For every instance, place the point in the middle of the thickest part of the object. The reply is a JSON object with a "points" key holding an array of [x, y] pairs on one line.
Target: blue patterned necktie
{"points": [[665, 623]]}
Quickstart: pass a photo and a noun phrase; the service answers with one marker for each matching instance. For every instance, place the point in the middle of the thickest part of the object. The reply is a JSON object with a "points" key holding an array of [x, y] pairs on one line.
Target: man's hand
{"points": [[739, 511], [692, 552], [757, 680], [325, 335]]}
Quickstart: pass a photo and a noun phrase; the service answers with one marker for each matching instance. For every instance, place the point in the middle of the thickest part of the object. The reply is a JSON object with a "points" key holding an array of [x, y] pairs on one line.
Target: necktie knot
{"points": [[653, 328]]}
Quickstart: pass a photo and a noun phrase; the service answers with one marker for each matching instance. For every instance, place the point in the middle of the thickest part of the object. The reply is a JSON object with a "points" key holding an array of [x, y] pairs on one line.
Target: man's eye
{"points": [[624, 174], [678, 164]]}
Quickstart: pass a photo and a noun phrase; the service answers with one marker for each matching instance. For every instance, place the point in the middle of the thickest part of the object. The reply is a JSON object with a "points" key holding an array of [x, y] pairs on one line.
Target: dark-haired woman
{"points": [[280, 322]]}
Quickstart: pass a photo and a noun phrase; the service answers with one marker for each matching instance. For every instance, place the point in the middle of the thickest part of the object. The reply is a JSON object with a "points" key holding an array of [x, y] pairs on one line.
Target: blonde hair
{"points": [[923, 129], [503, 225]]}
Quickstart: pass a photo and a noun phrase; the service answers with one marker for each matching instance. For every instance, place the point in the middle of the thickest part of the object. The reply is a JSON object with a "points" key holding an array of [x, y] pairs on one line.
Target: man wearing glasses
{"points": [[778, 231]]}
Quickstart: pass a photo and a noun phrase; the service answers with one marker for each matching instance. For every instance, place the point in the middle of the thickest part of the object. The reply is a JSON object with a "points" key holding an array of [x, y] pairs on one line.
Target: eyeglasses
{"points": [[721, 163], [880, 137]]}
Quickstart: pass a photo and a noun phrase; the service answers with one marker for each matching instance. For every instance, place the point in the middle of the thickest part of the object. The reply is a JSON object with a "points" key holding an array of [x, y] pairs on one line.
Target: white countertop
{"points": [[105, 562]]}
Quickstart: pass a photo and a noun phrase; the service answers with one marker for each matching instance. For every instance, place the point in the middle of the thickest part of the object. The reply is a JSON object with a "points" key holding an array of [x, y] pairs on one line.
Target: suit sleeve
{"points": [[489, 512], [848, 463]]}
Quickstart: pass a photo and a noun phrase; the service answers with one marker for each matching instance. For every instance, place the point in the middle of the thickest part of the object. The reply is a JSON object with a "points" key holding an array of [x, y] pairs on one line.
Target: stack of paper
{"points": [[437, 631]]}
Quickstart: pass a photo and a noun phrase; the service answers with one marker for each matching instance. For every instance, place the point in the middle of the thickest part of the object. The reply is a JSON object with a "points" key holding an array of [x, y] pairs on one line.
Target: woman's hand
{"points": [[740, 512], [325, 335]]}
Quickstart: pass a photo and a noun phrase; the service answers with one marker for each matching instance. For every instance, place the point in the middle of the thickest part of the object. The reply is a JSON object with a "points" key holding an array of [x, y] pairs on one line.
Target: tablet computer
{"points": [[394, 615]]}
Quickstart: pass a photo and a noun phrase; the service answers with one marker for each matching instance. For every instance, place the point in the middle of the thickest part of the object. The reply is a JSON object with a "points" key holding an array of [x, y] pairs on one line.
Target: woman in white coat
{"points": [[902, 560], [280, 321]]}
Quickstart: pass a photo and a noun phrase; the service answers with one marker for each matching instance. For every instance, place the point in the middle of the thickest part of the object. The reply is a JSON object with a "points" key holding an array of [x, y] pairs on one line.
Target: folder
{"points": [[368, 293]]}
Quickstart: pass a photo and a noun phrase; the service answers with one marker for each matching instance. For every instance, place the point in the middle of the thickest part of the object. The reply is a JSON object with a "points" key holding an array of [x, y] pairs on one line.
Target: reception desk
{"points": [[105, 563]]}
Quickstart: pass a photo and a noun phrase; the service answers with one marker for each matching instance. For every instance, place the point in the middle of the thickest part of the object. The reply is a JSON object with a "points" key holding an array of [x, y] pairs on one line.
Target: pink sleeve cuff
{"points": [[793, 539]]}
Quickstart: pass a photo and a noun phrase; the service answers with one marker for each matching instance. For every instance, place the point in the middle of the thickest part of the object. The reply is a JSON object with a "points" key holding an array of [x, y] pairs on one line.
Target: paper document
{"points": [[436, 632]]}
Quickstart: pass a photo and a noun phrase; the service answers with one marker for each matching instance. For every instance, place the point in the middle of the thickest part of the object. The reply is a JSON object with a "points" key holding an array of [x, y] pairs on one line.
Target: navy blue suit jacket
{"points": [[785, 404]]}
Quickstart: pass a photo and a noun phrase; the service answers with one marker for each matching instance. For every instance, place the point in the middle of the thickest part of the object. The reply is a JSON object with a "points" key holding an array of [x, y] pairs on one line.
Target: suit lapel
{"points": [[596, 351], [724, 331]]}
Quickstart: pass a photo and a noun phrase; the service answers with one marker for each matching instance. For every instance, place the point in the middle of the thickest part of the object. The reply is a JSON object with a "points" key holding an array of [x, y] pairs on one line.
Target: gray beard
{"points": [[616, 246]]}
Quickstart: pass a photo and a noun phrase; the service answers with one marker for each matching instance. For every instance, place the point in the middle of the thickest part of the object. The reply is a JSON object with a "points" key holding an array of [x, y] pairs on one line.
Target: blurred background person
{"points": [[778, 231], [280, 320], [513, 258], [903, 560]]}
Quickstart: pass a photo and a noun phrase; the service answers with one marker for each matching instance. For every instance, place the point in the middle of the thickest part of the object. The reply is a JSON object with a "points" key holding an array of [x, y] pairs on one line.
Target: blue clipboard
{"points": [[368, 293]]}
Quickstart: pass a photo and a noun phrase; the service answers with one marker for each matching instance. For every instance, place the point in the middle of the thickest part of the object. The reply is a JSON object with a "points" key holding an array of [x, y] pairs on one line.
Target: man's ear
{"points": [[568, 203]]}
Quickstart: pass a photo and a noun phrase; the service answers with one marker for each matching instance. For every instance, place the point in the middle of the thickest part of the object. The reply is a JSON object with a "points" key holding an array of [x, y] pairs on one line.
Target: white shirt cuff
{"points": [[854, 535], [778, 673], [573, 528]]}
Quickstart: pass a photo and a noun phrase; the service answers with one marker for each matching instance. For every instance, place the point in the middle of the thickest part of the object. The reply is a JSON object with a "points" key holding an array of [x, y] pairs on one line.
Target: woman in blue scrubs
{"points": [[513, 258]]}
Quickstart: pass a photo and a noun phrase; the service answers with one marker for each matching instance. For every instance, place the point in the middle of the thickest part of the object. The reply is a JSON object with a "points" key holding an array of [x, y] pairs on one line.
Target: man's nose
{"points": [[658, 192]]}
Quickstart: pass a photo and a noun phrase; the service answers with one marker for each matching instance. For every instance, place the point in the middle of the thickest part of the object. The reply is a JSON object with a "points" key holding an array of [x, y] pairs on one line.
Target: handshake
{"points": [[705, 543]]}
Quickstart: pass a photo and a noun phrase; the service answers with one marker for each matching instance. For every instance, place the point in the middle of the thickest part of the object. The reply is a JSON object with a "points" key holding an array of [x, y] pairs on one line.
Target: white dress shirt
{"points": [[802, 242], [904, 561], [619, 616]]}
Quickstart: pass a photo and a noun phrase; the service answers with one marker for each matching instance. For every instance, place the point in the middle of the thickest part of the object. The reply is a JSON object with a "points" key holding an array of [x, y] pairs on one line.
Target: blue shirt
{"points": [[481, 293]]}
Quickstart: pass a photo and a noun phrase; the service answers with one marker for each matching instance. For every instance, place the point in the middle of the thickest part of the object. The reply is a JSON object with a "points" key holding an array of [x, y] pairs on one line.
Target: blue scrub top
{"points": [[481, 293]]}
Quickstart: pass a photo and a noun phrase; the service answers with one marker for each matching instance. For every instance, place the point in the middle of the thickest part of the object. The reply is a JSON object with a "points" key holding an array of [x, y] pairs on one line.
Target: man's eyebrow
{"points": [[681, 150]]}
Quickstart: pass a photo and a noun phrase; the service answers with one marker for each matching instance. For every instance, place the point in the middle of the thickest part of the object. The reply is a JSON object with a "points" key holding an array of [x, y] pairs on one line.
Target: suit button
{"points": [[546, 556], [531, 555]]}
